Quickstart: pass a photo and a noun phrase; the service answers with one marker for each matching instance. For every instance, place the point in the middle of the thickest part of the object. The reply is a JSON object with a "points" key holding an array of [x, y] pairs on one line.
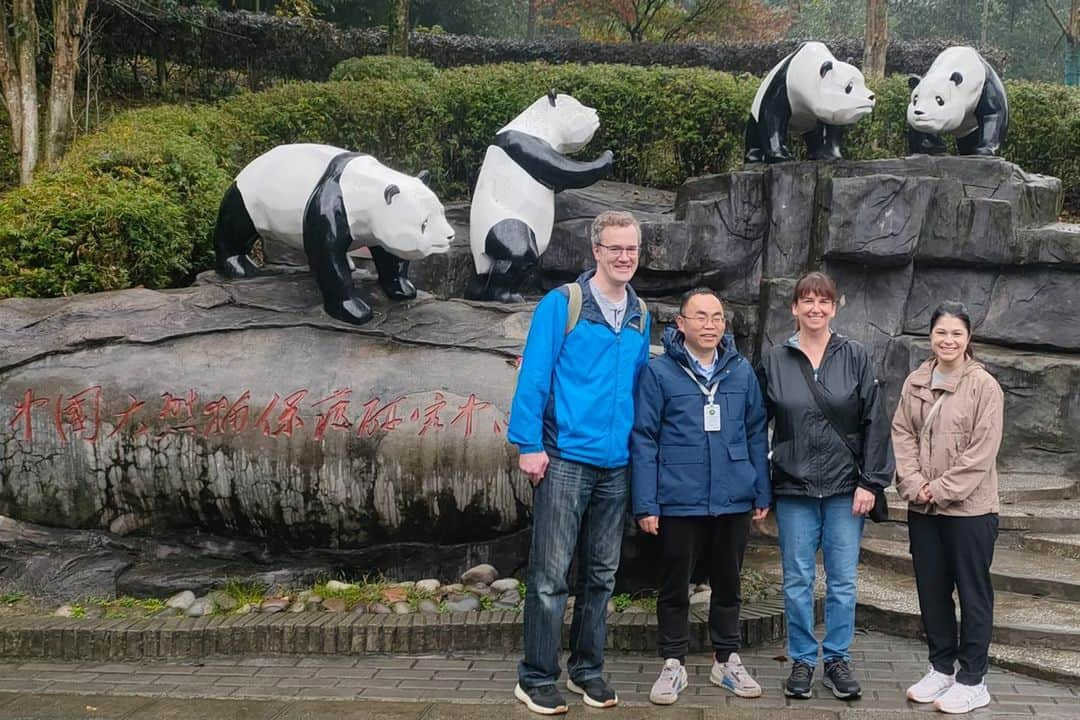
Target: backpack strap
{"points": [[644, 312], [573, 309]]}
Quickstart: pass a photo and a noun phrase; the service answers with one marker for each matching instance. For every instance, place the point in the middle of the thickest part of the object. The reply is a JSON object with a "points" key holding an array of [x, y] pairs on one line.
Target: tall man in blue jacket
{"points": [[699, 468], [571, 419]]}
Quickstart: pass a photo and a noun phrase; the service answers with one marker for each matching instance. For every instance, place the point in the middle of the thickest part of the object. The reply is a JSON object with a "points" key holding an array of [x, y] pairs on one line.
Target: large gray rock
{"points": [[876, 219], [872, 305], [791, 189]]}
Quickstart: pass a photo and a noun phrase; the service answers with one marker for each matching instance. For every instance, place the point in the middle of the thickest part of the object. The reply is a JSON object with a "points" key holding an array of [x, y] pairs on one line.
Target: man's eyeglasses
{"points": [[617, 250], [702, 318]]}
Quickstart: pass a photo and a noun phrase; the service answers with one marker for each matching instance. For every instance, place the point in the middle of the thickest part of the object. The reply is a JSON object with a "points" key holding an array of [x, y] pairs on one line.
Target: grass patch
{"points": [[363, 591], [244, 592], [10, 598]]}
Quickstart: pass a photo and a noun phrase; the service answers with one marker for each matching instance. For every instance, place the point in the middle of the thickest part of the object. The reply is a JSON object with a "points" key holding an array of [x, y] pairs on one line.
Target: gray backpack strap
{"points": [[644, 312], [573, 309]]}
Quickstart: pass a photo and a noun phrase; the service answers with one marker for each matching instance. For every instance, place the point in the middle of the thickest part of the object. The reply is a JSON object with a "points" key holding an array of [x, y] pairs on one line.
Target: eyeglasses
{"points": [[702, 318], [617, 250]]}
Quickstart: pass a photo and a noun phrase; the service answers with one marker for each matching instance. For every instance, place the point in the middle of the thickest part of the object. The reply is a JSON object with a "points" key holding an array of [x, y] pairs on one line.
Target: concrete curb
{"points": [[335, 633]]}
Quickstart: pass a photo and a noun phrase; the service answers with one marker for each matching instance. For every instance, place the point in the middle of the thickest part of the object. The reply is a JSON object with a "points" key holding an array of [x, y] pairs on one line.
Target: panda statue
{"points": [[959, 95], [513, 205], [811, 93], [328, 201]]}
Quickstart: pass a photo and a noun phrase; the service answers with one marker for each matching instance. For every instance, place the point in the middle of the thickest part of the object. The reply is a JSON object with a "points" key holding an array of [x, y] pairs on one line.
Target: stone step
{"points": [[1018, 571], [1057, 665], [1038, 516], [888, 602], [1020, 487], [1067, 546]]}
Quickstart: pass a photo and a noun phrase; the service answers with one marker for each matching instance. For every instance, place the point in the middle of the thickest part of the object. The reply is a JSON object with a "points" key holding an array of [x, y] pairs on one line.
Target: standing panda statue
{"points": [[328, 201], [959, 95], [513, 205], [809, 92]]}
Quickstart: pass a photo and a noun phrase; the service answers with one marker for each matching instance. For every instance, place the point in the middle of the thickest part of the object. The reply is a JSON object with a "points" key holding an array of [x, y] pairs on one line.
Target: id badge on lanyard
{"points": [[711, 412]]}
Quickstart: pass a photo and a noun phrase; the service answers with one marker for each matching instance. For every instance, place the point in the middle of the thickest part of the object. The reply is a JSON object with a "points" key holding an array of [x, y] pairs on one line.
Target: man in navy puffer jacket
{"points": [[699, 473]]}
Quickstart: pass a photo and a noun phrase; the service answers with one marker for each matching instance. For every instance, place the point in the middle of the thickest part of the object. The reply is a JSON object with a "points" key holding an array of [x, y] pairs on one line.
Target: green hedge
{"points": [[134, 203]]}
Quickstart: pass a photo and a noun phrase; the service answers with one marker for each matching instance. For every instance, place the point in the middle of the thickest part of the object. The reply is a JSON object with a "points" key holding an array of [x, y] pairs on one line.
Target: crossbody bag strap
{"points": [[925, 433], [811, 383]]}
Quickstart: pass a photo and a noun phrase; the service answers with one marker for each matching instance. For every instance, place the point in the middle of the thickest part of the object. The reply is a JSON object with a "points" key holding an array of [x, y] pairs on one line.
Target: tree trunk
{"points": [[985, 24], [877, 39], [530, 29], [26, 57], [399, 28], [68, 16]]}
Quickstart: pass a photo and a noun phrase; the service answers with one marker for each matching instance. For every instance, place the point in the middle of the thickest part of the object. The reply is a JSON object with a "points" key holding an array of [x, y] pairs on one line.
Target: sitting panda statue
{"points": [[327, 201], [962, 96], [513, 205], [811, 93]]}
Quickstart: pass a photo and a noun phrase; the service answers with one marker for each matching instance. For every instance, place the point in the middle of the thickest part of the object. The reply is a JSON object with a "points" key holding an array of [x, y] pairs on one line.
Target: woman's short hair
{"points": [[814, 283]]}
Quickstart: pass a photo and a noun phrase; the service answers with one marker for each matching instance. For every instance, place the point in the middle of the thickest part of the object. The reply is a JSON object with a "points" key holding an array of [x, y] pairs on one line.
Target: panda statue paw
{"points": [[399, 288], [353, 311], [778, 157], [237, 266]]}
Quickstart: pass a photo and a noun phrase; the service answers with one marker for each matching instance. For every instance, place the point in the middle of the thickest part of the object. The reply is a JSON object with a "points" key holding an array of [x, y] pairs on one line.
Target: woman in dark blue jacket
{"points": [[699, 469]]}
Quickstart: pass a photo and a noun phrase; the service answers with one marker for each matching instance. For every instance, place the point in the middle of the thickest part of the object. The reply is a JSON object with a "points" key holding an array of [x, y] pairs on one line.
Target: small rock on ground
{"points": [[480, 574], [181, 600]]}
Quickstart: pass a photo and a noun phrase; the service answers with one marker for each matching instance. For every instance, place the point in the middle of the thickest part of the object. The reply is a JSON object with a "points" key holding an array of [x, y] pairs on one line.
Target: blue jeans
{"points": [[806, 524], [576, 507]]}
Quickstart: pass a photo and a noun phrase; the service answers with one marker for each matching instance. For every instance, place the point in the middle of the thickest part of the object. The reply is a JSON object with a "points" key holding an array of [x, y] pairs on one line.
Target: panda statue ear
{"points": [[390, 191], [913, 81], [424, 176], [826, 67], [551, 96], [956, 78]]}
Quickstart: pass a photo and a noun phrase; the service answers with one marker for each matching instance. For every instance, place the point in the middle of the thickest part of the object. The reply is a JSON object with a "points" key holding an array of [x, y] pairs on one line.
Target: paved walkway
{"points": [[434, 687]]}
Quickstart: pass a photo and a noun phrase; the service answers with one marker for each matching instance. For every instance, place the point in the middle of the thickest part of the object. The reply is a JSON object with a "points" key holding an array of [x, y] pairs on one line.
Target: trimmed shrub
{"points": [[383, 67], [134, 203]]}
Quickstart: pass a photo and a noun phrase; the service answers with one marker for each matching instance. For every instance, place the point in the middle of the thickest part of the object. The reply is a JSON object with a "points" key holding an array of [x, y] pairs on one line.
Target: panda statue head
{"points": [[942, 100], [559, 120], [842, 97], [397, 211]]}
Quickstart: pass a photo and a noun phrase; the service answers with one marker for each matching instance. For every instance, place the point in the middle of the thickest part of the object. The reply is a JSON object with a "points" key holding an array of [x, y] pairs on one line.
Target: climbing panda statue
{"points": [[327, 201], [959, 95], [811, 93], [513, 205]]}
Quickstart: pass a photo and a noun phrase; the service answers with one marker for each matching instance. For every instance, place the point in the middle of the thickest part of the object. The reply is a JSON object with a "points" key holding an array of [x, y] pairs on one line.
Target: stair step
{"points": [[1039, 516], [1021, 487], [1016, 571], [888, 602], [1061, 666], [1066, 546]]}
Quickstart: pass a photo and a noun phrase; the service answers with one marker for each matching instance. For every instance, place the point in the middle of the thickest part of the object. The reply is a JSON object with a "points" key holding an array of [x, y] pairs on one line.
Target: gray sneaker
{"points": [[731, 675], [671, 682]]}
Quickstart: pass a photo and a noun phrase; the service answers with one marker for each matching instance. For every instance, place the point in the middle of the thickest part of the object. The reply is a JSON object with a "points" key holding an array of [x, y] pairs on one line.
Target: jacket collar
{"points": [[590, 309], [923, 377], [836, 341]]}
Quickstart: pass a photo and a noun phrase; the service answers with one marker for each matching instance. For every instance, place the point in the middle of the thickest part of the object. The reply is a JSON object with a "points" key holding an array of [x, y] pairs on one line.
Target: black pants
{"points": [[721, 542], [955, 552]]}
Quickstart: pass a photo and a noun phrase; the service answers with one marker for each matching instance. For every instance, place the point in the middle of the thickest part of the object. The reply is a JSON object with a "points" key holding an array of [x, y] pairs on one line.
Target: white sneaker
{"points": [[963, 698], [932, 686], [734, 677], [671, 682]]}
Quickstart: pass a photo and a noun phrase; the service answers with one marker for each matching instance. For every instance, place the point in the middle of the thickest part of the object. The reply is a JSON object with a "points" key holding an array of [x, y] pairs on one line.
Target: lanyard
{"points": [[710, 392]]}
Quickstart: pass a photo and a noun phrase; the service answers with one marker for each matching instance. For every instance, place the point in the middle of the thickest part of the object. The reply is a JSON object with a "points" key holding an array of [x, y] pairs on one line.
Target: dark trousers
{"points": [[955, 552], [721, 542]]}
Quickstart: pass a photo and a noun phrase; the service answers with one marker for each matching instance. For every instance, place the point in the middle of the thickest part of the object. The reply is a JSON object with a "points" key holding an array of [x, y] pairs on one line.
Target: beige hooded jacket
{"points": [[957, 457]]}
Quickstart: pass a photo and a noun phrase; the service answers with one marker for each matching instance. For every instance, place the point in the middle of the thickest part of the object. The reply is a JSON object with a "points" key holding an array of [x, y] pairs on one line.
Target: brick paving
{"points": [[429, 687]]}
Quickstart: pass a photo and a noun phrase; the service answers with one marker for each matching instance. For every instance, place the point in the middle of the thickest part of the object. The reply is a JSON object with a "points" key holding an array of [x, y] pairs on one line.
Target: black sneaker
{"points": [[595, 692], [839, 679], [800, 682], [544, 699]]}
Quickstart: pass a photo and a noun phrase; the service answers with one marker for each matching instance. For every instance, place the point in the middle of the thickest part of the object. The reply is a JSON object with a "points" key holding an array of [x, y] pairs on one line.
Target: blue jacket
{"points": [[575, 392], [678, 469]]}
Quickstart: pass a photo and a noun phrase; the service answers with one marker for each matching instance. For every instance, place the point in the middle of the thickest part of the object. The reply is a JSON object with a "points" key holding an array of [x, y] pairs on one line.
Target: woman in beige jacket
{"points": [[946, 434]]}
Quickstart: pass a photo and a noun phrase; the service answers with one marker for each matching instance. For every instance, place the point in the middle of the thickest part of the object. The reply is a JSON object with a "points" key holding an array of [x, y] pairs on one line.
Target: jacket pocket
{"points": [[682, 454], [742, 475]]}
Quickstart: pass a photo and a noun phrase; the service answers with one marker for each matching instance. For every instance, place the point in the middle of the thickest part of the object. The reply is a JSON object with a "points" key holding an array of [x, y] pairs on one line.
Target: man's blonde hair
{"points": [[612, 218]]}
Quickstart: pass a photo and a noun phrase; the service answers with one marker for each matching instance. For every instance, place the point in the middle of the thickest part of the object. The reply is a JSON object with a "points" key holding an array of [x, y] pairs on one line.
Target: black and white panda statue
{"points": [[513, 206], [811, 93], [962, 96], [328, 200]]}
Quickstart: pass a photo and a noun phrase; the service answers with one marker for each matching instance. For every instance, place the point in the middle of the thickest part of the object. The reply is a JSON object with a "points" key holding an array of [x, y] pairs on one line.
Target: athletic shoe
{"points": [[672, 681], [963, 698], [839, 679], [544, 700], [731, 675], [932, 686], [595, 692], [800, 683]]}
